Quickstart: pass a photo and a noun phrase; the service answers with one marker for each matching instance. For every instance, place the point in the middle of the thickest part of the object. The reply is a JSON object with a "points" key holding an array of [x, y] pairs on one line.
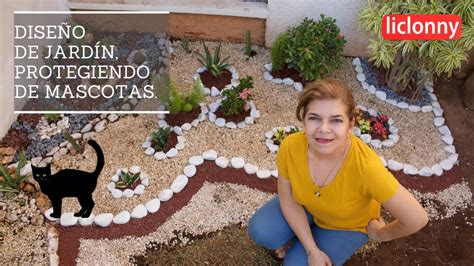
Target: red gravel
{"points": [[219, 82], [286, 72], [182, 117]]}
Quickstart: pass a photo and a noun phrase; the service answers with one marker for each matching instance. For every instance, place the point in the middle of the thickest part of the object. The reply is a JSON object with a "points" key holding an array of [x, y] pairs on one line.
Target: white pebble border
{"points": [[220, 122], [214, 92], [297, 86], [127, 193], [152, 206], [393, 137], [439, 121], [272, 147], [89, 131], [160, 155]]}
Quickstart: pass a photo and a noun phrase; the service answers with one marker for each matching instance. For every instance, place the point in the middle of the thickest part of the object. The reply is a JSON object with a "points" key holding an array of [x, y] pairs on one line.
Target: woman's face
{"points": [[327, 126]]}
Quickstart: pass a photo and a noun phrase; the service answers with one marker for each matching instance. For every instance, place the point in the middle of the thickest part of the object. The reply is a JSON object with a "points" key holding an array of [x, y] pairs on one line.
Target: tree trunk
{"points": [[403, 74]]}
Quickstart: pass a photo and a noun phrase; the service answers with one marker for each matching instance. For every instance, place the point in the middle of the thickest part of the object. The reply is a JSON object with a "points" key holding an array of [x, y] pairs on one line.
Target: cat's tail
{"points": [[100, 157]]}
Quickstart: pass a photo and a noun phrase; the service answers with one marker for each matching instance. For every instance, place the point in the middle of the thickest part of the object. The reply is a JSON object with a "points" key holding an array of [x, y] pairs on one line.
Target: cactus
{"points": [[248, 44]]}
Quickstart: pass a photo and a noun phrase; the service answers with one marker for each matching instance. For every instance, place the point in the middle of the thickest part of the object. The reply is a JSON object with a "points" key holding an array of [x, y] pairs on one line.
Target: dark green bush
{"points": [[278, 52]]}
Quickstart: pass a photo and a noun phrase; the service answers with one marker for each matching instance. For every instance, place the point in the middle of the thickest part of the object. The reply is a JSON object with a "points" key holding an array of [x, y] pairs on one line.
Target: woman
{"points": [[330, 187]]}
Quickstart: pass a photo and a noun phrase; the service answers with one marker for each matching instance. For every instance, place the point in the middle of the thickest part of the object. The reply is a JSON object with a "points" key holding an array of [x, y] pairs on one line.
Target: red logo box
{"points": [[421, 27]]}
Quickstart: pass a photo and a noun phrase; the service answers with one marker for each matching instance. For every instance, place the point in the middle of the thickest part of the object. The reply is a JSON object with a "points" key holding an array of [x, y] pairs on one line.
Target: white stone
{"points": [[165, 195], [53, 151], [172, 153], [112, 117], [201, 69], [250, 168], [448, 139], [181, 139], [99, 127], [388, 143], [222, 162], [409, 169], [437, 111], [104, 219], [202, 117], [139, 190], [269, 134], [425, 171], [47, 214], [359, 69], [384, 162], [277, 80], [437, 169], [366, 138], [146, 144], [444, 130], [255, 113], [122, 218], [86, 128], [426, 109], [209, 155], [298, 86], [153, 205], [68, 219], [135, 169], [88, 135], [433, 96], [275, 173], [372, 112], [149, 151], [76, 136], [215, 92], [241, 124], [87, 221], [376, 143], [231, 125], [402, 105], [381, 95], [450, 149], [268, 67], [356, 61], [180, 146], [196, 76], [212, 117], [263, 174], [372, 89], [414, 108], [110, 186], [237, 162], [273, 148], [162, 124], [249, 120], [186, 126], [196, 160], [128, 193], [360, 77], [190, 170], [435, 104], [390, 121], [394, 165], [160, 156], [145, 181], [26, 170], [268, 142], [235, 76], [220, 122], [453, 158], [391, 101], [446, 164], [393, 129], [179, 183], [288, 81], [356, 131], [177, 130], [439, 121], [117, 193], [139, 212], [195, 123], [267, 76], [365, 85], [35, 161]]}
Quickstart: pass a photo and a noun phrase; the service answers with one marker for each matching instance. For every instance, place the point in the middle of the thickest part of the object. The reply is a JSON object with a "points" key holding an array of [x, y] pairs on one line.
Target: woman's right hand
{"points": [[318, 257]]}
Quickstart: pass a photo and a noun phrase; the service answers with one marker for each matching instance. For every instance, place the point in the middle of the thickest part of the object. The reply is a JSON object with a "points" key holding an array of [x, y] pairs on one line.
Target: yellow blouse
{"points": [[352, 198]]}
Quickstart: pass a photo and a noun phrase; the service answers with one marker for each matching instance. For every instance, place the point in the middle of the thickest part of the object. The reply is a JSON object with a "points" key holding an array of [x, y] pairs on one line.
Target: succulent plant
{"points": [[160, 138], [213, 64], [127, 179], [12, 184]]}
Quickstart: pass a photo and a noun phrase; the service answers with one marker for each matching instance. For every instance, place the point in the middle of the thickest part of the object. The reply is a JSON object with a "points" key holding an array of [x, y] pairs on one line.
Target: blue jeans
{"points": [[268, 228]]}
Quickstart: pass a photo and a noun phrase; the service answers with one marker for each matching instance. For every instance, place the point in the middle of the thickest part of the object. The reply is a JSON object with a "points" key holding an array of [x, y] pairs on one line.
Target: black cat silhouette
{"points": [[70, 183]]}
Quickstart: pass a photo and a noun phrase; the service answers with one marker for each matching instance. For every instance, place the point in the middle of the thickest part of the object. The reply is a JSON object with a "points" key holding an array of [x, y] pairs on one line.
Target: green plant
{"points": [[181, 102], [73, 142], [364, 126], [417, 61], [278, 52], [160, 138], [108, 41], [314, 48], [280, 134], [248, 44], [213, 64], [12, 184], [185, 44], [127, 179], [235, 98], [52, 118]]}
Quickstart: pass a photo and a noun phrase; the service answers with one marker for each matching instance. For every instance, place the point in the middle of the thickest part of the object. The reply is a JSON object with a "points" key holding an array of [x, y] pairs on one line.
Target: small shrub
{"points": [[314, 48], [108, 41], [213, 64], [180, 102], [127, 179], [278, 52], [376, 126], [160, 138], [12, 184], [235, 98], [281, 134], [52, 118]]}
